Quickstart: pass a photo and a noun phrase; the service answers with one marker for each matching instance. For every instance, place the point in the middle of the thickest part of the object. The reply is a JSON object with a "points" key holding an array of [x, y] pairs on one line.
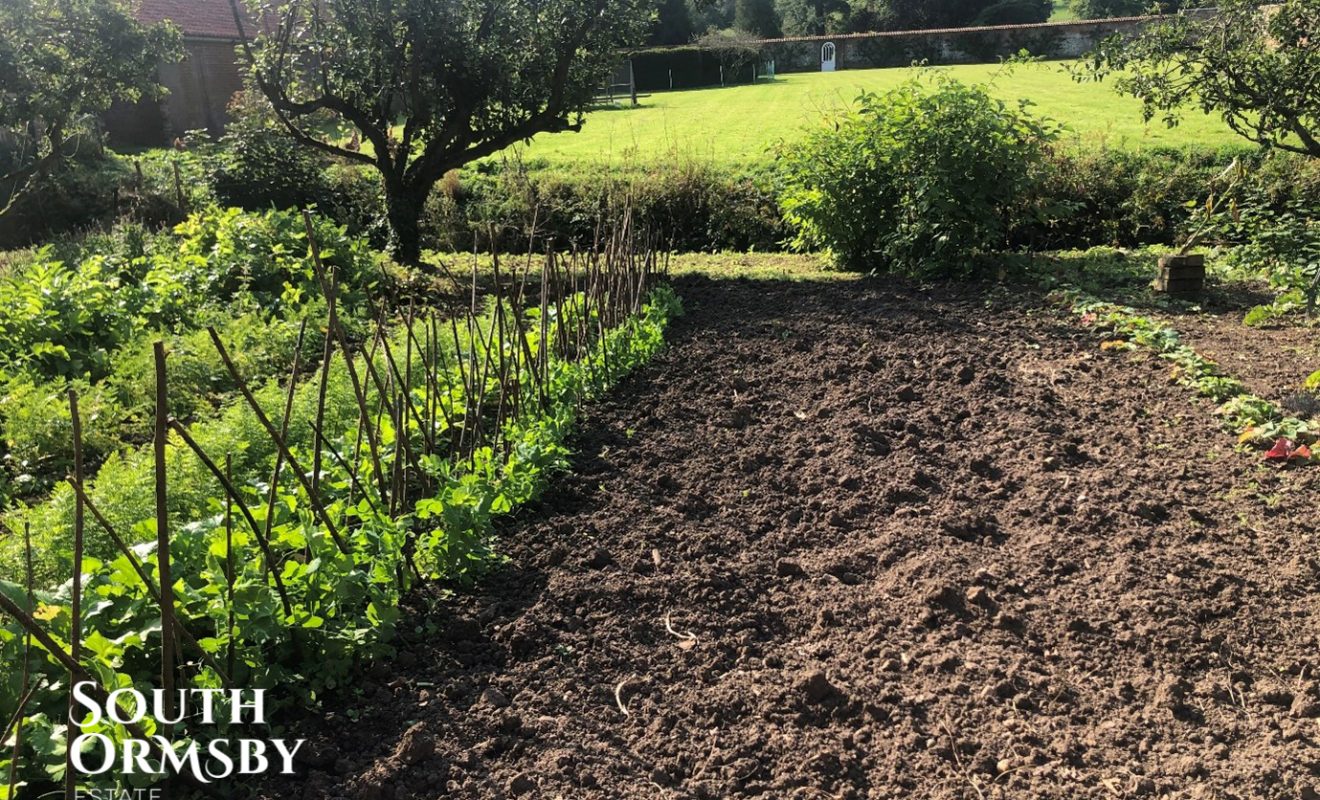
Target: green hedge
{"points": [[690, 206]]}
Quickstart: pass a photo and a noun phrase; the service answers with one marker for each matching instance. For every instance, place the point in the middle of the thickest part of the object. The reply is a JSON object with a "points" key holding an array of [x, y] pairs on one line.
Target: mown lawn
{"points": [[737, 125], [1063, 12]]}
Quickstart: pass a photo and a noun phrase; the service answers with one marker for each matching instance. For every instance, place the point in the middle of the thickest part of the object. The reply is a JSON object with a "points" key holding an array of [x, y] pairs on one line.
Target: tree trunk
{"points": [[403, 209]]}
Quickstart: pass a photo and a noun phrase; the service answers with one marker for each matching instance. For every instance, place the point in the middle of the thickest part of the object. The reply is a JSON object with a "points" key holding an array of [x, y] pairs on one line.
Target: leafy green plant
{"points": [[309, 610], [1257, 421], [1284, 248], [923, 179]]}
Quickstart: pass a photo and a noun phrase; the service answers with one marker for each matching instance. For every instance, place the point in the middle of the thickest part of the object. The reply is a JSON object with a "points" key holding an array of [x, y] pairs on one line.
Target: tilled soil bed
{"points": [[861, 540], [1274, 362]]}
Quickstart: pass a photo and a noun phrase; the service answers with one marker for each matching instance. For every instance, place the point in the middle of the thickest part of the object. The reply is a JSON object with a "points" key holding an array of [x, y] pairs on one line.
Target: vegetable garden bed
{"points": [[868, 541]]}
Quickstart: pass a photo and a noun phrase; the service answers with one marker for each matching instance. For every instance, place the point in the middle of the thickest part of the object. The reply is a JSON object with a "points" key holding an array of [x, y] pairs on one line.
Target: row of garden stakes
{"points": [[610, 279]]}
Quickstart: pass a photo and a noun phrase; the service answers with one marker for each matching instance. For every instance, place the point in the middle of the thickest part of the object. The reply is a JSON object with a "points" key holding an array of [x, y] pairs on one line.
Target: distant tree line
{"points": [[683, 21]]}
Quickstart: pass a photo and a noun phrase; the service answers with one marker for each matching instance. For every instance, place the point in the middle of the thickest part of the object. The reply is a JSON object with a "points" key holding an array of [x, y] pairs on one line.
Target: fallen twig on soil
{"points": [[618, 695]]}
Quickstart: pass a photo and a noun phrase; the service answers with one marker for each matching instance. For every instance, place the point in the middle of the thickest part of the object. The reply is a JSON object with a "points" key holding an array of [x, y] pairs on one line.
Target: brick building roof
{"points": [[204, 19]]}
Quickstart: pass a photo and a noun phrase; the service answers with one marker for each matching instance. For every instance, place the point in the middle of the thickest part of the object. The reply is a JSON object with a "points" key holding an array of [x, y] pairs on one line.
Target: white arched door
{"points": [[828, 53]]}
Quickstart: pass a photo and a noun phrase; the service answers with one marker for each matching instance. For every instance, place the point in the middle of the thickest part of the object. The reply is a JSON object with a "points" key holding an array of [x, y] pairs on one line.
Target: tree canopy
{"points": [[672, 24], [1103, 9], [62, 62], [757, 17], [816, 17], [1257, 67], [430, 86]]}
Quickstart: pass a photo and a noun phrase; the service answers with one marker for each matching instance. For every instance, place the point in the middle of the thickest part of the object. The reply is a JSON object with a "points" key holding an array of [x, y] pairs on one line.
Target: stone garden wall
{"points": [[693, 66]]}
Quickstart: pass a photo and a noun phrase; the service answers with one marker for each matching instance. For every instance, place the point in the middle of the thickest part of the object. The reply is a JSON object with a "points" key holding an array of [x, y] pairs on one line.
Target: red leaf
{"points": [[1281, 451], [1302, 452]]}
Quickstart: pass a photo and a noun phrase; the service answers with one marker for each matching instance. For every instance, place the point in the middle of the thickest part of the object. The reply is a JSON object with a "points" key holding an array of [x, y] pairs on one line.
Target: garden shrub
{"points": [[80, 194], [116, 411], [224, 251], [256, 167], [923, 179], [689, 205], [63, 321], [1097, 197], [1283, 247], [96, 188]]}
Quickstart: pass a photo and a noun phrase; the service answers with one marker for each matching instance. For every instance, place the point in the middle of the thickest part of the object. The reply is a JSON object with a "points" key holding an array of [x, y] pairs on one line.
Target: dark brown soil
{"points": [[863, 541], [1273, 362]]}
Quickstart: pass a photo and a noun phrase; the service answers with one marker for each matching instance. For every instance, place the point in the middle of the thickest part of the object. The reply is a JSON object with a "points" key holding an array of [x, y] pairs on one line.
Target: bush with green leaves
{"points": [[257, 167], [688, 204], [1281, 247], [924, 179], [224, 252]]}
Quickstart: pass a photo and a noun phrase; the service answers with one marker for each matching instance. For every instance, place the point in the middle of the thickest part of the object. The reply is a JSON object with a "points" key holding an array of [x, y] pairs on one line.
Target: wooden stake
{"points": [[229, 566], [75, 610], [275, 436], [257, 530], [27, 659], [284, 434], [152, 591], [163, 543]]}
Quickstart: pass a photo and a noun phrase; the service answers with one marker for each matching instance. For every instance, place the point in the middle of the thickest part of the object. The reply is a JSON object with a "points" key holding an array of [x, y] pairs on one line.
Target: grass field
{"points": [[1063, 12], [737, 125]]}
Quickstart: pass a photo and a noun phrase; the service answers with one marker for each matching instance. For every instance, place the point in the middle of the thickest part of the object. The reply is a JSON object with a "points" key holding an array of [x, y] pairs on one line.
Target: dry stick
{"points": [[401, 490], [381, 409], [284, 434], [16, 722], [400, 447], [327, 354], [402, 381], [362, 420], [487, 365], [150, 586], [500, 338], [34, 629], [163, 543], [440, 365], [532, 363], [229, 566], [275, 436], [542, 345], [242, 507], [25, 694], [457, 449], [386, 396], [524, 359], [473, 419], [75, 609], [561, 328], [430, 366], [330, 290], [178, 185], [408, 370], [27, 658], [327, 359], [352, 475]]}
